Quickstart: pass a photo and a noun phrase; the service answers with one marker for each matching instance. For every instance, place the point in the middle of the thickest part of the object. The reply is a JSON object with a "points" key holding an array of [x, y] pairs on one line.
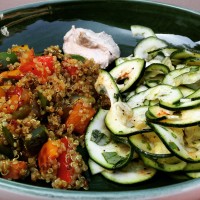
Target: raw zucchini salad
{"points": [[153, 121]]}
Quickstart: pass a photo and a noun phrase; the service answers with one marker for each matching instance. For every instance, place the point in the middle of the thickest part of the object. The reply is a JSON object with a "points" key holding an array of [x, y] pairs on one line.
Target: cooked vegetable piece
{"points": [[147, 45], [170, 164], [127, 74], [17, 170], [47, 154], [80, 117], [136, 171], [150, 145], [106, 85], [8, 135], [38, 138], [7, 58], [142, 31], [22, 112]]}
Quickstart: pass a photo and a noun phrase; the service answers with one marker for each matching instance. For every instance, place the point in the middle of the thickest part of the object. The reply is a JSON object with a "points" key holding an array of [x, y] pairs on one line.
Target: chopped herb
{"points": [[194, 69], [173, 135], [148, 146], [99, 138], [116, 96], [113, 158], [173, 146]]}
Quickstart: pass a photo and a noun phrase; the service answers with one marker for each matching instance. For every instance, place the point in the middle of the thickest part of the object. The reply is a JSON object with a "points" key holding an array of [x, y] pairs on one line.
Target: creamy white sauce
{"points": [[98, 46]]}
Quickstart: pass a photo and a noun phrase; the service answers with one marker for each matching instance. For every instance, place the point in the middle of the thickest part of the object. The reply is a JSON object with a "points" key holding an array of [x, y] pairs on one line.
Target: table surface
{"points": [[189, 4]]}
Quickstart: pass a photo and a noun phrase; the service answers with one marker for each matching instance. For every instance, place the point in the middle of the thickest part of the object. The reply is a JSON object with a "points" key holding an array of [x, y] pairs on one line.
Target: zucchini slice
{"points": [[170, 164], [192, 167], [165, 93], [128, 73], [182, 54], [194, 95], [192, 61], [94, 167], [157, 68], [105, 84], [169, 78], [122, 120], [187, 78], [183, 142], [182, 118], [134, 172], [102, 147], [186, 91], [193, 174], [150, 145], [184, 104], [142, 31], [148, 44], [120, 60]]}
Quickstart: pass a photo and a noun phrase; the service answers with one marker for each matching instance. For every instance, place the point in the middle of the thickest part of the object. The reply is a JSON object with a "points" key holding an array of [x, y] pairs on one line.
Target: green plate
{"points": [[43, 24]]}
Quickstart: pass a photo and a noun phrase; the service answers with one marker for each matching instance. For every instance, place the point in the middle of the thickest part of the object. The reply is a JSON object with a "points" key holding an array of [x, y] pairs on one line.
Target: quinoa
{"points": [[36, 143]]}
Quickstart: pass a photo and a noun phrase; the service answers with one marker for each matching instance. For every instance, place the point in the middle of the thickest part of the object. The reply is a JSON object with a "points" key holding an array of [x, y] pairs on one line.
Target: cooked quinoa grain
{"points": [[46, 103]]}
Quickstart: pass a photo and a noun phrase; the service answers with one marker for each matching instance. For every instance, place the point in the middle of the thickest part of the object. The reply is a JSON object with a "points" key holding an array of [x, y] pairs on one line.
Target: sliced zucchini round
{"points": [[134, 172], [182, 118], [147, 45], [169, 78], [192, 167], [193, 174], [94, 167], [182, 54], [102, 147], [105, 84], [120, 60], [180, 141], [184, 104], [157, 68], [170, 164], [187, 78], [128, 73], [150, 145], [142, 31], [121, 120], [165, 93], [194, 95], [186, 91]]}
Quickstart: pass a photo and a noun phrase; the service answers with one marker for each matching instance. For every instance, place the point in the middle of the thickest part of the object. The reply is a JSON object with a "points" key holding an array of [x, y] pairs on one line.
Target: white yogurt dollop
{"points": [[98, 46]]}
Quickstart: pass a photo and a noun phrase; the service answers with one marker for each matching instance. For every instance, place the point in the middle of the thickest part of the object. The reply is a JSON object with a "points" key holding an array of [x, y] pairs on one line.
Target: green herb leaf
{"points": [[173, 146], [113, 158], [99, 138]]}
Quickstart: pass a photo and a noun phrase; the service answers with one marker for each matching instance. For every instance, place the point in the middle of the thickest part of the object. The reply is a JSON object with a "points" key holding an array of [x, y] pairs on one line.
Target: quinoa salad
{"points": [[46, 103]]}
